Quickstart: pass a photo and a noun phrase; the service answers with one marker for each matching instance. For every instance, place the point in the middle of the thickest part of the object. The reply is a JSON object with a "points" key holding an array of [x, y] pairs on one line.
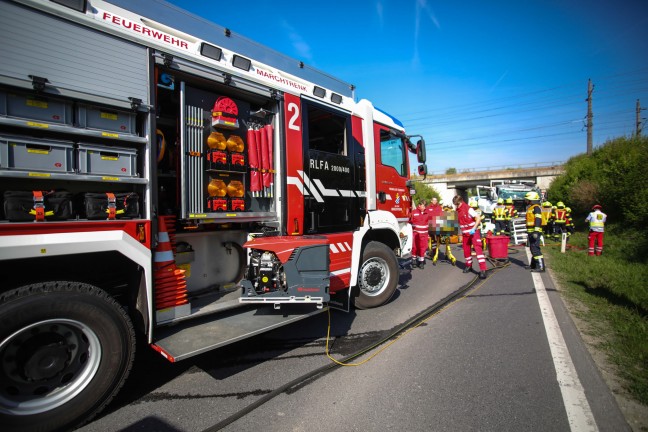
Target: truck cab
{"points": [[487, 196], [165, 180]]}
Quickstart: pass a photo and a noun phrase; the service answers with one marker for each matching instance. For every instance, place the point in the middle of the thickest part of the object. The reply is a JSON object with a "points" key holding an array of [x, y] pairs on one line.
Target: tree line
{"points": [[615, 176]]}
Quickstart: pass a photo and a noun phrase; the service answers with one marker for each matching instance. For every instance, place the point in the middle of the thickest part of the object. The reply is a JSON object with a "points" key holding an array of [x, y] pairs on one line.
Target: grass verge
{"points": [[614, 292]]}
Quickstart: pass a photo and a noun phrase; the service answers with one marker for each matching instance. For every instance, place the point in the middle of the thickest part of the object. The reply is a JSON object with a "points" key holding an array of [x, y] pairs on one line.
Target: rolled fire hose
{"points": [[253, 159]]}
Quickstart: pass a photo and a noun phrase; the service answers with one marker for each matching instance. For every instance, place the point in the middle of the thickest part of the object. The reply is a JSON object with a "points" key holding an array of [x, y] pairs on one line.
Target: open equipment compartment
{"points": [[219, 177]]}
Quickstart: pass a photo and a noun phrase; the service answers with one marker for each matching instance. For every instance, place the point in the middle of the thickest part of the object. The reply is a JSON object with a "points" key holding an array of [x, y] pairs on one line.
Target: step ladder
{"points": [[518, 234]]}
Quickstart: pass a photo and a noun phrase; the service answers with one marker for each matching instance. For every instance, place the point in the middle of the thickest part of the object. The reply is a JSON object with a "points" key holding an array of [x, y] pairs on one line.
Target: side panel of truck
{"points": [[76, 61]]}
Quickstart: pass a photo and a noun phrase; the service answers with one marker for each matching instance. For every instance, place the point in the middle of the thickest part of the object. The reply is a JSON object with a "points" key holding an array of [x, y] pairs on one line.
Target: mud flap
{"points": [[341, 300]]}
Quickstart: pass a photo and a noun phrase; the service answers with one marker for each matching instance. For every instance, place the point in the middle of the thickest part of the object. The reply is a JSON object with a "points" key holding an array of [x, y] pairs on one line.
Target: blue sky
{"points": [[487, 83]]}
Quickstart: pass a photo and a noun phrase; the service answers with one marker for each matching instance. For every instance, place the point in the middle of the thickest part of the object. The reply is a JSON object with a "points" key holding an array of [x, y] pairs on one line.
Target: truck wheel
{"points": [[65, 350], [377, 277]]}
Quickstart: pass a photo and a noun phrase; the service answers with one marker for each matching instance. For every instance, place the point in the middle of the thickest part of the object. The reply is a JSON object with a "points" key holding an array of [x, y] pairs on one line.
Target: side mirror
{"points": [[420, 151], [422, 170]]}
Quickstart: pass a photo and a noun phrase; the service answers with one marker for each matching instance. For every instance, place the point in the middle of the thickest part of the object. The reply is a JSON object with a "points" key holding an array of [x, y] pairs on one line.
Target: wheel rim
{"points": [[374, 276], [46, 364]]}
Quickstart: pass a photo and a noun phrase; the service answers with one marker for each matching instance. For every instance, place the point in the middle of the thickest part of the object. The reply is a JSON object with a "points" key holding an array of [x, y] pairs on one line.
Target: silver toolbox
{"points": [[38, 108], [32, 154], [105, 160], [93, 117]]}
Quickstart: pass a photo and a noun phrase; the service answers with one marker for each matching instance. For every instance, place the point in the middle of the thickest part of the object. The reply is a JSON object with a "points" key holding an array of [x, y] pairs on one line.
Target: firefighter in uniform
{"points": [[596, 221], [534, 230], [499, 215], [560, 219], [511, 213], [419, 220], [469, 222], [552, 222], [475, 205], [569, 222], [546, 218]]}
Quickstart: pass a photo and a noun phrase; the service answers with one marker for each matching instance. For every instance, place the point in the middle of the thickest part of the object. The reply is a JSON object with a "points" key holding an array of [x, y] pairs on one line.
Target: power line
{"points": [[557, 111], [513, 98]]}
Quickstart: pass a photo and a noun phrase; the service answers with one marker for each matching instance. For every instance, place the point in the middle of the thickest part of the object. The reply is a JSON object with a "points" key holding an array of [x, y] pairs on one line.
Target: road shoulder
{"points": [[635, 414]]}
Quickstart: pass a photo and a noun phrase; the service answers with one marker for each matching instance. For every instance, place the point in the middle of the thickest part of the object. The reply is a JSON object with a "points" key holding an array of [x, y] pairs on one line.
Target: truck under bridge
{"points": [[449, 185]]}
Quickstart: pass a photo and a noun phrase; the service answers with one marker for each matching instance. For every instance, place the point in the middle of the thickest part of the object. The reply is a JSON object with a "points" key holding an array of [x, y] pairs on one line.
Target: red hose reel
{"points": [[224, 113]]}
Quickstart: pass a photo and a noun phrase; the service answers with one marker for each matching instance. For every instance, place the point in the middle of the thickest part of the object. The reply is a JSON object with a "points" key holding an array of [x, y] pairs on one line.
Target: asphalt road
{"points": [[482, 363]]}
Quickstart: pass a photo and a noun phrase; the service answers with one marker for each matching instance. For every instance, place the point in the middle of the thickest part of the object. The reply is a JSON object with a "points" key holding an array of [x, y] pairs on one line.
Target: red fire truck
{"points": [[165, 179]]}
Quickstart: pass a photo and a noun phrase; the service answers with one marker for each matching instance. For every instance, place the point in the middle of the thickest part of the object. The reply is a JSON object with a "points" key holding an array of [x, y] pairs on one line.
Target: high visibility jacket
{"points": [[511, 212], [466, 221], [596, 220], [545, 214], [534, 218], [499, 212], [560, 216]]}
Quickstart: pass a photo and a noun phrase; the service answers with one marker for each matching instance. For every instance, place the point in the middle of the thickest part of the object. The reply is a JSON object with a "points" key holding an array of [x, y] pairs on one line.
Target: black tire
{"points": [[66, 348], [377, 276]]}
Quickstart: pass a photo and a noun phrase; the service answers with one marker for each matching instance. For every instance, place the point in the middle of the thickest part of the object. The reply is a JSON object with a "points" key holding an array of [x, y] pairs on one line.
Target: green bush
{"points": [[613, 176], [425, 192]]}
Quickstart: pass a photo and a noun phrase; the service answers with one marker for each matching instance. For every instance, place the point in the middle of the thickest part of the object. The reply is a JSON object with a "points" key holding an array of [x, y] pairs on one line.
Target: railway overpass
{"points": [[449, 185]]}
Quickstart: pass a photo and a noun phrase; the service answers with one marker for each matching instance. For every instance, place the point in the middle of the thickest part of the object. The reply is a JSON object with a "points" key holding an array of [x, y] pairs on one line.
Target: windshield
{"points": [[513, 194], [482, 193]]}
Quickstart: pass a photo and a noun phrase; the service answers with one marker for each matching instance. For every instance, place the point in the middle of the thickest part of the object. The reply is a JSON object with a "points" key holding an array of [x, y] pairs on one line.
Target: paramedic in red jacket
{"points": [[420, 220], [469, 222]]}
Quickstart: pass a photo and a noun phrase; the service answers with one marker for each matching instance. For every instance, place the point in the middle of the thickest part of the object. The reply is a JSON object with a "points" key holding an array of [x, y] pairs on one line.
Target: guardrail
{"points": [[500, 168]]}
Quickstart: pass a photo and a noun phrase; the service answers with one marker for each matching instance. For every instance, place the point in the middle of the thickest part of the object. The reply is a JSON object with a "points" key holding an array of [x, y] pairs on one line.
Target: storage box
{"points": [[31, 154], [105, 160], [217, 204], [35, 107], [238, 162], [93, 117], [237, 204], [29, 206], [222, 120], [217, 159], [101, 205]]}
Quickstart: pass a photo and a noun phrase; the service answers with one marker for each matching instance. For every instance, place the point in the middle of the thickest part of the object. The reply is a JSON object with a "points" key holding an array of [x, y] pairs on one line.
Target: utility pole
{"points": [[638, 127], [590, 90]]}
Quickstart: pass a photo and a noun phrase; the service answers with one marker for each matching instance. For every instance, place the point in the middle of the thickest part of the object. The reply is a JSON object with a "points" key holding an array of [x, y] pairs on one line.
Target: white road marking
{"points": [[578, 410]]}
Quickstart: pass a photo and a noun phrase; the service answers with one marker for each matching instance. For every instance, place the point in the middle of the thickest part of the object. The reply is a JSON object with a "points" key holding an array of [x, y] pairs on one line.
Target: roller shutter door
{"points": [[77, 61]]}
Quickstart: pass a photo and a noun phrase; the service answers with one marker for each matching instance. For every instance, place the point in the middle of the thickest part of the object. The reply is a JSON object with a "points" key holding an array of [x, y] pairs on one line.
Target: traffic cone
{"points": [[163, 253], [170, 284], [171, 298], [170, 223], [170, 281]]}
